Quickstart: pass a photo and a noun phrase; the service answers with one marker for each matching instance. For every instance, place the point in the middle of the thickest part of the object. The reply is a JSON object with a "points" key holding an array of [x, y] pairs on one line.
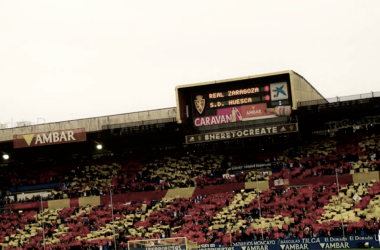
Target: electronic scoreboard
{"points": [[235, 101]]}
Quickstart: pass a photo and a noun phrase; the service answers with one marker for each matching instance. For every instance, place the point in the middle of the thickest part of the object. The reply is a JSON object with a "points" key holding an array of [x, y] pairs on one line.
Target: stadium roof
{"points": [[91, 124]]}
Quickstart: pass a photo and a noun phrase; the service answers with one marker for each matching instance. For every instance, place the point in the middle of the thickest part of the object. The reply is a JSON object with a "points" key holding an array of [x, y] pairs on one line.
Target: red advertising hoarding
{"points": [[242, 113], [49, 138]]}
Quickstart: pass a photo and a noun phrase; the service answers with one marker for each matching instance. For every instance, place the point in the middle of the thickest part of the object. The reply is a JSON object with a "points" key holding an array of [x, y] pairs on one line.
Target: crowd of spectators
{"points": [[299, 212], [83, 177]]}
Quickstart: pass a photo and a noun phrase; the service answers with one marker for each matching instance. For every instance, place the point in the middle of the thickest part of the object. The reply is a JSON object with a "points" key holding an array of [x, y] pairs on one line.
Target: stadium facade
{"points": [[251, 100]]}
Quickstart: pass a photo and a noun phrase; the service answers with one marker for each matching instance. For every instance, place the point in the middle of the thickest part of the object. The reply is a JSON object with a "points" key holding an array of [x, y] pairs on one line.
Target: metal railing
{"points": [[339, 99]]}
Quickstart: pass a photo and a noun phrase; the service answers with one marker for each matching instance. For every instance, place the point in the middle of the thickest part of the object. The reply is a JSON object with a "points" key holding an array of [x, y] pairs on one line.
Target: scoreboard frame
{"points": [[208, 103]]}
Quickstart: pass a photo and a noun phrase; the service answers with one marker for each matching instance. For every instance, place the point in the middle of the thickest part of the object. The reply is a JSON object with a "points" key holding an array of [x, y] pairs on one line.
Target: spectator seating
{"points": [[298, 212]]}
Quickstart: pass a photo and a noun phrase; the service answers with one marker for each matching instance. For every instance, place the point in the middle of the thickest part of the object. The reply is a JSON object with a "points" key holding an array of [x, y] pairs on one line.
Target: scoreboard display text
{"points": [[241, 94]]}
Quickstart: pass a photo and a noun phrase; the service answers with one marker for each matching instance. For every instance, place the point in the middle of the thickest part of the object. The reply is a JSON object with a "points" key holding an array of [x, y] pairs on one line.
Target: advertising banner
{"points": [[242, 113], [281, 182], [256, 111], [234, 111], [355, 241], [225, 115], [251, 166], [163, 247], [242, 133], [27, 206], [352, 122], [49, 138]]}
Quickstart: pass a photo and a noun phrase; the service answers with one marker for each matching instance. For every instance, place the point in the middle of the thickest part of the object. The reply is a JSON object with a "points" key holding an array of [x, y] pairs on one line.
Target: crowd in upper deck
{"points": [[83, 177]]}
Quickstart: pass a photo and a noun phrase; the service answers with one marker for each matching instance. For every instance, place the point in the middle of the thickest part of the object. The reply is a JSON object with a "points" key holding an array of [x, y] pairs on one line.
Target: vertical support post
{"points": [[43, 223], [261, 222], [340, 203], [113, 221]]}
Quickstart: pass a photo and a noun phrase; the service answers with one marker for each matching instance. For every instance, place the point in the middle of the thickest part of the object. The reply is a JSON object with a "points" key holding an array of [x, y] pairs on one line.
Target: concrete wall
{"points": [[302, 90]]}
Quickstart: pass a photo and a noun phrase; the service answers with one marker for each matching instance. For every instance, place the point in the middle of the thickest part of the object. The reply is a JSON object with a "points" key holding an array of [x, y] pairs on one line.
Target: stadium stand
{"points": [[312, 210], [356, 154], [272, 192]]}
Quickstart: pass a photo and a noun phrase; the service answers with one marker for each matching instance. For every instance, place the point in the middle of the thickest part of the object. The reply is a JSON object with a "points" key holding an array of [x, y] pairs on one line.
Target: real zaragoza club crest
{"points": [[200, 103]]}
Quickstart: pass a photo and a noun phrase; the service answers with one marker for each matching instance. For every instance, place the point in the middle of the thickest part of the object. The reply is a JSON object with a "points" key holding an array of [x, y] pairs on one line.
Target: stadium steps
{"points": [[364, 177], [180, 192], [261, 185], [194, 191]]}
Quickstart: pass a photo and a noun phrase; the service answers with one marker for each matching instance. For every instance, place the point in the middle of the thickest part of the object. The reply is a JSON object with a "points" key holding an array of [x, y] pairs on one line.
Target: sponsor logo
{"points": [[254, 243], [300, 244], [200, 104], [281, 182], [256, 111], [165, 248], [279, 91], [213, 120], [362, 238], [258, 247], [335, 245], [251, 166], [294, 246], [49, 138], [352, 122], [242, 133], [226, 115]]}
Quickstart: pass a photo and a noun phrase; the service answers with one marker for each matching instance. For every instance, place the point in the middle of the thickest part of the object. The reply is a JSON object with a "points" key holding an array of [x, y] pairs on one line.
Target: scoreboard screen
{"points": [[235, 101]]}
